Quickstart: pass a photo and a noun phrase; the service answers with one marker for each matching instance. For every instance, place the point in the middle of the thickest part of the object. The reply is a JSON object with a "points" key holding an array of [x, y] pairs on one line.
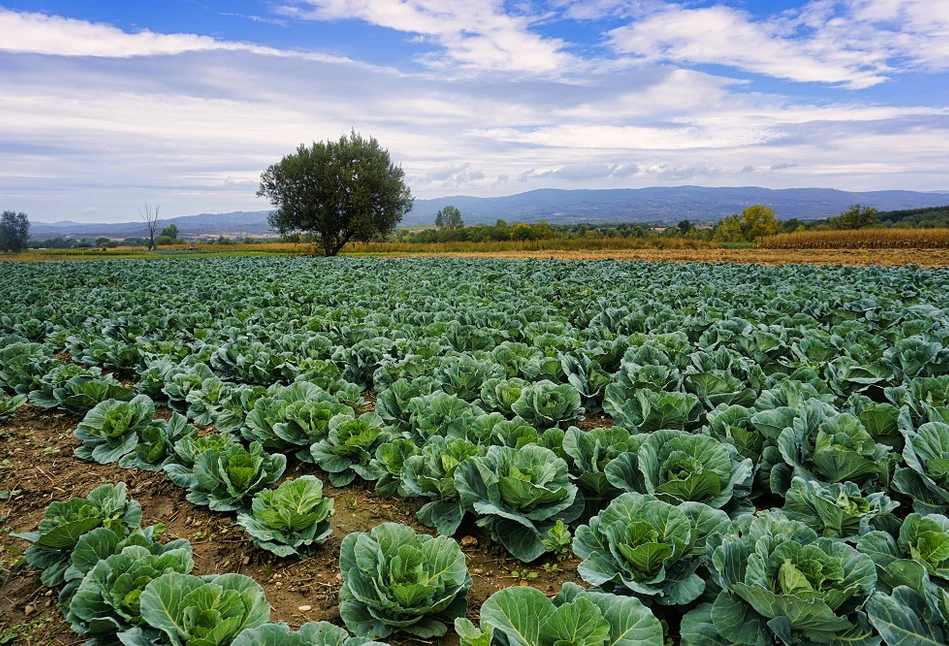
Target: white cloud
{"points": [[725, 36], [476, 34], [853, 43], [39, 33]]}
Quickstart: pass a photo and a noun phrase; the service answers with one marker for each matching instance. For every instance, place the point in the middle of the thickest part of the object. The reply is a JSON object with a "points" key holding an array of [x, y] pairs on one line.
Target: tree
{"points": [[729, 230], [338, 191], [14, 231], [171, 231], [856, 217], [150, 217], [758, 221], [522, 231], [685, 227], [542, 230], [449, 218]]}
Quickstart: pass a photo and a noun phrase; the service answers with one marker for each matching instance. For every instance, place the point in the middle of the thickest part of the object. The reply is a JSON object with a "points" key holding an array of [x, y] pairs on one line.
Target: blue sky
{"points": [[108, 105]]}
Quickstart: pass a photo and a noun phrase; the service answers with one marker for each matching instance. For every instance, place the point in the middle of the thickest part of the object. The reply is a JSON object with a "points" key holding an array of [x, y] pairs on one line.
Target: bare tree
{"points": [[150, 216]]}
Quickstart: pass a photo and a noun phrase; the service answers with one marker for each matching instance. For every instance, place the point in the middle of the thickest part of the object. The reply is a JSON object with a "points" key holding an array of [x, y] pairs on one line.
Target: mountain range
{"points": [[557, 206]]}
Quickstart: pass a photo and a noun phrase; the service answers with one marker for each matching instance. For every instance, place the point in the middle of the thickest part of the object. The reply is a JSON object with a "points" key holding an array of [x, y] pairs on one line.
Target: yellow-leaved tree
{"points": [[758, 221]]}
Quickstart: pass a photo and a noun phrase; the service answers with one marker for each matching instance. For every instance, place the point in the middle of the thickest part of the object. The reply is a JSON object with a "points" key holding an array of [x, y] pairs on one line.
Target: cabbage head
{"points": [[431, 474], [201, 611], [226, 479], [64, 523], [179, 467], [111, 429], [156, 445], [830, 447], [676, 466], [107, 600], [545, 404], [397, 580], [925, 478], [524, 616], [290, 518], [518, 494], [649, 547], [781, 583], [320, 633], [835, 510], [349, 447], [500, 394]]}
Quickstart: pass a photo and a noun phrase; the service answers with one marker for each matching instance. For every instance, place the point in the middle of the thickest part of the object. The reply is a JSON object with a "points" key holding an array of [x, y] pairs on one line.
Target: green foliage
{"points": [[289, 519], [64, 523], [648, 546], [523, 616], [518, 495], [856, 217], [338, 191], [397, 580], [14, 231], [203, 611], [225, 479], [111, 429], [449, 218]]}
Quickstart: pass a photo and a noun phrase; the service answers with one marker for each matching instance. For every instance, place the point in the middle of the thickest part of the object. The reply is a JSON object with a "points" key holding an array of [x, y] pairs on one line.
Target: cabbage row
{"points": [[775, 471], [119, 584]]}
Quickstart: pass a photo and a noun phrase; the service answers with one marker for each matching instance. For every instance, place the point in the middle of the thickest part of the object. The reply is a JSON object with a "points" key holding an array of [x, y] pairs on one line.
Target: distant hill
{"points": [[657, 204], [237, 223], [664, 204]]}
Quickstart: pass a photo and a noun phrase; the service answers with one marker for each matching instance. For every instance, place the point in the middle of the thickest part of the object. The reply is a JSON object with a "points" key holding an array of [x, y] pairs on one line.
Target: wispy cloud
{"points": [[477, 34], [852, 43], [39, 33]]}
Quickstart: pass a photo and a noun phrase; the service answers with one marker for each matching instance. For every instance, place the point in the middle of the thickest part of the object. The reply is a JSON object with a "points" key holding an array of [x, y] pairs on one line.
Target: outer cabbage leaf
{"points": [[648, 546], [925, 478], [395, 579], [290, 518], [203, 611], [225, 479], [111, 429], [518, 495], [524, 616], [64, 523]]}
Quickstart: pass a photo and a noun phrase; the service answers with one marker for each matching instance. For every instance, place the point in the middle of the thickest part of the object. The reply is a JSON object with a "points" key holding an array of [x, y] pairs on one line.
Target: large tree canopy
{"points": [[338, 191], [14, 231]]}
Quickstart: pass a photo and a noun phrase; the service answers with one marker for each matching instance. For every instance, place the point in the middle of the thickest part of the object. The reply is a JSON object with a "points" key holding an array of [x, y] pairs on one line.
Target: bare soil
{"points": [[931, 258], [37, 466]]}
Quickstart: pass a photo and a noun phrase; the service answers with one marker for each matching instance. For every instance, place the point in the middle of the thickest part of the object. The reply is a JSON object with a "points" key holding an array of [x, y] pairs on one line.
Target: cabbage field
{"points": [[700, 454]]}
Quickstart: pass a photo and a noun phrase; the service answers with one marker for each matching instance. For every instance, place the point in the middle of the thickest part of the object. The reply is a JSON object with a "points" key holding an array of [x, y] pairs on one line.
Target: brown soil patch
{"points": [[36, 459], [932, 258]]}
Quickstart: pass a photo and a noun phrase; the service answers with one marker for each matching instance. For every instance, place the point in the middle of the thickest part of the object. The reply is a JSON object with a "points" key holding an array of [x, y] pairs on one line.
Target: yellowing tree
{"points": [[758, 221]]}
